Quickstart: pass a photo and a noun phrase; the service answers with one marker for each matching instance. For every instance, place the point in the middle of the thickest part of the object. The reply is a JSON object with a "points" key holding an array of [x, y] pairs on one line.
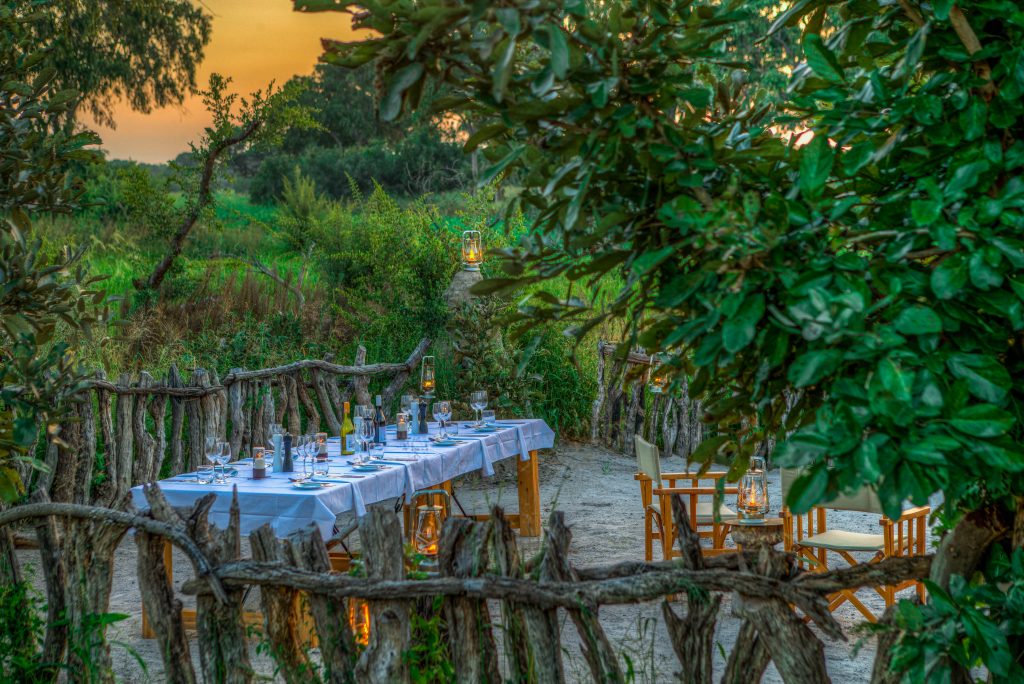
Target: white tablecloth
{"points": [[274, 500]]}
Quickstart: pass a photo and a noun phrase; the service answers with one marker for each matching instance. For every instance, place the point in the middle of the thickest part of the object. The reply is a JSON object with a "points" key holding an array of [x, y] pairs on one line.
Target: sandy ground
{"points": [[595, 488]]}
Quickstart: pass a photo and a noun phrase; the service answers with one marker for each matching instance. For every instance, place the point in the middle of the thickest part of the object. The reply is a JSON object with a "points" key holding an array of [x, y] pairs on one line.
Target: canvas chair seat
{"points": [[704, 511], [842, 540]]}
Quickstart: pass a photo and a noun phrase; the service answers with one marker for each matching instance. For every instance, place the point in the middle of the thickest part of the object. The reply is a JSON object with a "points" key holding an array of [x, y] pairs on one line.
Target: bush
{"points": [[418, 164]]}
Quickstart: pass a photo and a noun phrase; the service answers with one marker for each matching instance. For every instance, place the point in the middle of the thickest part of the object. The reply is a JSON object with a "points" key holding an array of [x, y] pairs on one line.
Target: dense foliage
{"points": [[351, 147], [871, 264], [145, 52], [36, 293]]}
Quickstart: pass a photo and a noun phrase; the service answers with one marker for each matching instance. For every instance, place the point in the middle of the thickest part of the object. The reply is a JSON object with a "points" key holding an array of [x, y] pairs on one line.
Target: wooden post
{"points": [[529, 496], [383, 661], [464, 553]]}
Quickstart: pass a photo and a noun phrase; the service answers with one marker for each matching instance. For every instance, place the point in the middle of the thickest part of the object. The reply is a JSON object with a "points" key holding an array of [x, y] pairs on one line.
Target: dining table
{"points": [[402, 467]]}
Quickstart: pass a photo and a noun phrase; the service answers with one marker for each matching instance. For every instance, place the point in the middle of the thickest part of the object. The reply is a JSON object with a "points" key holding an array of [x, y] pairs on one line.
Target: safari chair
{"points": [[811, 539], [658, 522]]}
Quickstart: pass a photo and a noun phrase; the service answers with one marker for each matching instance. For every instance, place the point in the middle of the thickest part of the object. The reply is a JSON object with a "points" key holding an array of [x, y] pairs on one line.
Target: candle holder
{"points": [[659, 377], [428, 378], [402, 425], [752, 493], [472, 250]]}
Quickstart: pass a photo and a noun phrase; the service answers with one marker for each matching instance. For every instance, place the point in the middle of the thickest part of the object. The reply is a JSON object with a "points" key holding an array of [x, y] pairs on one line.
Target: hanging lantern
{"points": [[427, 380], [472, 250], [359, 620], [659, 378], [752, 493], [428, 531]]}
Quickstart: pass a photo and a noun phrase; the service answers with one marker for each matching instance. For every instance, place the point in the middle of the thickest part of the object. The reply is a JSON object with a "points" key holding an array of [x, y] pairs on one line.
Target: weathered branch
{"points": [[95, 513]]}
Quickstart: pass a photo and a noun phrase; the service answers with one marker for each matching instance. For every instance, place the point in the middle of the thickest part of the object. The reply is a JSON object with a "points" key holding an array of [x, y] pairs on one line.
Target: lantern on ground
{"points": [[472, 250], [428, 381], [359, 620], [428, 532], [752, 493]]}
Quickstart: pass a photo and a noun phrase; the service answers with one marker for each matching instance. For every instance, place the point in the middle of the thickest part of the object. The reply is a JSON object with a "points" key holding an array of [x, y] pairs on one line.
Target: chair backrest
{"points": [[864, 499], [648, 460]]}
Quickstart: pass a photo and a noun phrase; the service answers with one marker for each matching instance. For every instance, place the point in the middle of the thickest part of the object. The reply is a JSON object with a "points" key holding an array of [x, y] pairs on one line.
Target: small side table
{"points": [[753, 534]]}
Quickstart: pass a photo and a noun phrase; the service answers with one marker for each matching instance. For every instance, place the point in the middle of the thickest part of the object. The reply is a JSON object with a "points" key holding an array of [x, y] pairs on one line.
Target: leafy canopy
{"points": [[766, 266], [36, 295]]}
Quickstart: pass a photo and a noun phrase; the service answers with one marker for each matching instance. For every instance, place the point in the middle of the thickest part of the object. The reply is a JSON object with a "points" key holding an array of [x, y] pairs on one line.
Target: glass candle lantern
{"points": [[428, 382], [752, 496], [359, 620], [472, 250], [659, 377], [402, 425], [428, 531]]}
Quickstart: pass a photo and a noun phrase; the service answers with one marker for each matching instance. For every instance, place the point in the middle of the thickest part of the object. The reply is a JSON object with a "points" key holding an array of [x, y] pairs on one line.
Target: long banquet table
{"points": [[275, 501]]}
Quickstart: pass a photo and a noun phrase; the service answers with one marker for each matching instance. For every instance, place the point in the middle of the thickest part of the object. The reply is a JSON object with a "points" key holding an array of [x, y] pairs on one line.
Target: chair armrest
{"points": [[643, 477]]}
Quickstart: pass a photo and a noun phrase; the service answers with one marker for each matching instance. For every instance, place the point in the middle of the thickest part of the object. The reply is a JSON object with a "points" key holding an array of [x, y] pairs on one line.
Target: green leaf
{"points": [[942, 8], [821, 60], [739, 331], [810, 367], [404, 78], [552, 38], [503, 69], [918, 320], [816, 161], [708, 449], [982, 420], [986, 378], [949, 277], [483, 135], [865, 458], [925, 212], [808, 490]]}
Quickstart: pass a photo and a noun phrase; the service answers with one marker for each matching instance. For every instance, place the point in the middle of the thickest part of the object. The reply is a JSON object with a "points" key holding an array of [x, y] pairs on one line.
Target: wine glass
{"points": [[478, 402], [442, 411], [366, 434], [221, 456], [204, 475]]}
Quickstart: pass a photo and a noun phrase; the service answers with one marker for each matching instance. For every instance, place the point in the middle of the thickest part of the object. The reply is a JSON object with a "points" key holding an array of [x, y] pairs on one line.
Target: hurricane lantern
{"points": [[428, 381], [752, 493], [359, 620], [428, 531], [659, 377], [472, 250]]}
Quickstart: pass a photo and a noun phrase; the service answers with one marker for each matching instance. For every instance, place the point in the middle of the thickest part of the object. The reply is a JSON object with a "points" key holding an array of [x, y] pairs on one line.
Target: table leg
{"points": [[529, 497]]}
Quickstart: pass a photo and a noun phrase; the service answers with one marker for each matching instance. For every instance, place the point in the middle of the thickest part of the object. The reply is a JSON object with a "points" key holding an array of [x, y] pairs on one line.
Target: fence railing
{"points": [[304, 603]]}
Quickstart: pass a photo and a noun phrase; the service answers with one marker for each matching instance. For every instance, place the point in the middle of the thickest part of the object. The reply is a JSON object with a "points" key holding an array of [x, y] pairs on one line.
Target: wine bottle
{"points": [[347, 428], [380, 423]]}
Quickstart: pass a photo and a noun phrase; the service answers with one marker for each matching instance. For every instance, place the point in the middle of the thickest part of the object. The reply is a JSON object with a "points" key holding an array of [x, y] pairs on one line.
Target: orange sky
{"points": [[254, 42]]}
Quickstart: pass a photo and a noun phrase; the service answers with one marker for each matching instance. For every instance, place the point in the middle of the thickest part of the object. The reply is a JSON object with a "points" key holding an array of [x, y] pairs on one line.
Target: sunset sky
{"points": [[254, 42]]}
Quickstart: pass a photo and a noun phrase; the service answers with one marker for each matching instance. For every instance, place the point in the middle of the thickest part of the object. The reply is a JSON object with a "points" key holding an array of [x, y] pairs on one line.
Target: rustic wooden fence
{"points": [[492, 598], [124, 433], [624, 407]]}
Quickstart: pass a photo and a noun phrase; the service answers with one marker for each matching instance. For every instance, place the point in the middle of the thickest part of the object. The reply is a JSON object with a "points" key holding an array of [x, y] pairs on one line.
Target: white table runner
{"points": [[274, 500]]}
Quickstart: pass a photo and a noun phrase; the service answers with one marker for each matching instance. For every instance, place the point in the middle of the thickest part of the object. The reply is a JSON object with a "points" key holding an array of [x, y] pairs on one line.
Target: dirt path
{"points": [[595, 488]]}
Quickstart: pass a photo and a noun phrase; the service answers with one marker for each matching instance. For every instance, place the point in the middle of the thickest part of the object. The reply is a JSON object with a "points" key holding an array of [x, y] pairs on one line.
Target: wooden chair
{"points": [[658, 522], [809, 536]]}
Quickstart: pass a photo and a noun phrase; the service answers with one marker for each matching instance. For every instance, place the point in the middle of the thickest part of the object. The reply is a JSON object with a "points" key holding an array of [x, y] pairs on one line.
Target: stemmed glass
{"points": [[442, 411], [221, 456], [203, 472], [478, 402], [367, 432]]}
